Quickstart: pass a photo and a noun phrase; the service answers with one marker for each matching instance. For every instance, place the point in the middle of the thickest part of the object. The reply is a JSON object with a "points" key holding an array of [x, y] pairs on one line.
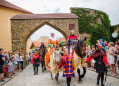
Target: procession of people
{"points": [[97, 57], [101, 57]]}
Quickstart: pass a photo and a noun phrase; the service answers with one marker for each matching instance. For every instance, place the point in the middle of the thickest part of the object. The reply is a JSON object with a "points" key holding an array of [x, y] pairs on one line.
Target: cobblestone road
{"points": [[26, 78]]}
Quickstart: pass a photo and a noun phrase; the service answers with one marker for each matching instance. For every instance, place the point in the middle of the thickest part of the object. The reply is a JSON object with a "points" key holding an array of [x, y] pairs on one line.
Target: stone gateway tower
{"points": [[23, 26]]}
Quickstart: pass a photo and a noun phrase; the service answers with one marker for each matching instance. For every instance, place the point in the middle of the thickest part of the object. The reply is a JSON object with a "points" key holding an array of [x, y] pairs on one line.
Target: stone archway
{"points": [[23, 26]]}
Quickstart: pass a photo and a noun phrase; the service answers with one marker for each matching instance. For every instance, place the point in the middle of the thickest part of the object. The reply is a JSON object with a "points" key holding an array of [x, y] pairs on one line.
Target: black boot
{"points": [[84, 72], [34, 71], [102, 79], [78, 71], [98, 80], [37, 70]]}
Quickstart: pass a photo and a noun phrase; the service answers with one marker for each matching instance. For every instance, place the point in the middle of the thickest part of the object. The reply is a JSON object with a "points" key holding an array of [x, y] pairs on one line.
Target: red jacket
{"points": [[72, 37], [34, 57], [104, 59]]}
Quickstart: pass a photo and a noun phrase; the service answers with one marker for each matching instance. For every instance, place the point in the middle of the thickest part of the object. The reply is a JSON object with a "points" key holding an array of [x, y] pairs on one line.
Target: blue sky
{"points": [[111, 7]]}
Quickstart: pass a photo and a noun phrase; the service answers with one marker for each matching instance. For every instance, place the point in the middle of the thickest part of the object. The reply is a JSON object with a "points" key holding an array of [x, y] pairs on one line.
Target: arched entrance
{"points": [[23, 26]]}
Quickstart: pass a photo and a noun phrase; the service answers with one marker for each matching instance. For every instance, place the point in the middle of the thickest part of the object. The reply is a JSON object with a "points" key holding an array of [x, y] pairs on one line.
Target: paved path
{"points": [[26, 78]]}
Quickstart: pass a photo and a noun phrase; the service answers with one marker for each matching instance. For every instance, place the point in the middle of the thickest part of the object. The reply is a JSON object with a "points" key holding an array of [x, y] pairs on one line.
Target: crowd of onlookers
{"points": [[112, 52], [11, 63]]}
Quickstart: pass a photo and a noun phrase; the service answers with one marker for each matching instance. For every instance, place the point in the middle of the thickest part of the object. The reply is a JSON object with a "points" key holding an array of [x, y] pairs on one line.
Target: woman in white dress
{"points": [[111, 58]]}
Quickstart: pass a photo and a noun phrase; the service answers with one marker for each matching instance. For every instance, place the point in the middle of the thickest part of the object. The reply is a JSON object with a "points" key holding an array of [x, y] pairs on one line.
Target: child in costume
{"points": [[100, 64], [68, 62]]}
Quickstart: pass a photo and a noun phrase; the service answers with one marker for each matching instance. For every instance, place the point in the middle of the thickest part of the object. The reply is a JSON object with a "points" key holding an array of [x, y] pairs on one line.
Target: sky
{"points": [[111, 7]]}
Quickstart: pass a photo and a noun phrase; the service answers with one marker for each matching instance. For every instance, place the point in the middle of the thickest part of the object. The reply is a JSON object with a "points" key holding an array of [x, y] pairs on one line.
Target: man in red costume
{"points": [[100, 64], [71, 41], [35, 62]]}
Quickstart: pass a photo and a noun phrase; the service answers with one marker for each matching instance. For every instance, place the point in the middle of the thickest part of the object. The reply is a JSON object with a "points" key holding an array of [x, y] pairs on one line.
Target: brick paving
{"points": [[26, 78]]}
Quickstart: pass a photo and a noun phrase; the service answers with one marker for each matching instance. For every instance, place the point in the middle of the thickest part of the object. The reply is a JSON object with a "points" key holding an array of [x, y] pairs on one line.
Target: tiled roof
{"points": [[12, 6], [38, 44], [46, 16]]}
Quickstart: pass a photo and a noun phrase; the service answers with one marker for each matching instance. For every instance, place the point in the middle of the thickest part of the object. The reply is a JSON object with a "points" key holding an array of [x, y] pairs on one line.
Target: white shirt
{"points": [[17, 57], [20, 58]]}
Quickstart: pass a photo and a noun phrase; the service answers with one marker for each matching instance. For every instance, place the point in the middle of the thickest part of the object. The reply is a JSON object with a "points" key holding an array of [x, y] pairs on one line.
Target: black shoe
{"points": [[102, 79], [2, 80], [79, 79], [102, 85], [82, 76], [98, 80], [45, 69]]}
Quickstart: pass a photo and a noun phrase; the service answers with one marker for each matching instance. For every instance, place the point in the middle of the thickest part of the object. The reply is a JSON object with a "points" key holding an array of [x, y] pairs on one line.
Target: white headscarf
{"points": [[53, 38]]}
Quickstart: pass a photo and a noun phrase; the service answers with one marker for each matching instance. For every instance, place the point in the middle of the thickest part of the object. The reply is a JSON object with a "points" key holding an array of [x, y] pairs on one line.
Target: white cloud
{"points": [[50, 6]]}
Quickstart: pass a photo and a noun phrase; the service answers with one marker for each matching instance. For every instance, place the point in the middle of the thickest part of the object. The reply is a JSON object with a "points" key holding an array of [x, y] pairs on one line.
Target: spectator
{"points": [[10, 68], [101, 42], [14, 57], [88, 54], [4, 66], [111, 58], [98, 42], [105, 42], [13, 61], [106, 48], [102, 48], [2, 59], [92, 61], [6, 54], [18, 60], [117, 56], [30, 54], [21, 60], [9, 54], [27, 59]]}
